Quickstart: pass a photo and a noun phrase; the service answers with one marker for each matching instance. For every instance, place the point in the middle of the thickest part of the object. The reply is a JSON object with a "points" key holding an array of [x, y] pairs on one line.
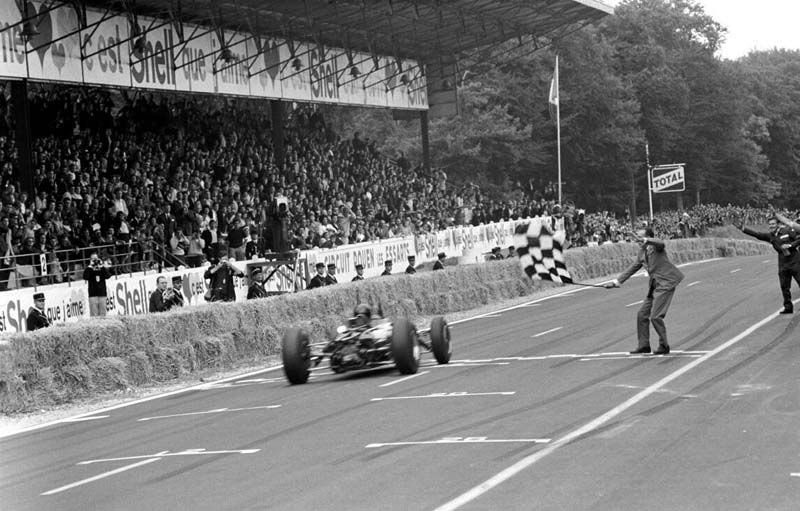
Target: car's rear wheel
{"points": [[405, 346], [296, 354], [440, 340]]}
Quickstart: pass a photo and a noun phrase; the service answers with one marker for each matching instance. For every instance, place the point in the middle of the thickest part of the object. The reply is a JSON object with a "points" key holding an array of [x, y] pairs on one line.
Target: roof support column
{"points": [[279, 150], [426, 149], [22, 118]]}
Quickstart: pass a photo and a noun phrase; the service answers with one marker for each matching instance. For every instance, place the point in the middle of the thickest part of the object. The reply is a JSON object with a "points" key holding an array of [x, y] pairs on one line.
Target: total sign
{"points": [[668, 178]]}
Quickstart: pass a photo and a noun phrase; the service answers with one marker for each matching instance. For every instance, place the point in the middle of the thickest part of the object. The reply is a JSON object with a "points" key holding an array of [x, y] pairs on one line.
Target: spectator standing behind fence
{"points": [[221, 276], [95, 274], [36, 316]]}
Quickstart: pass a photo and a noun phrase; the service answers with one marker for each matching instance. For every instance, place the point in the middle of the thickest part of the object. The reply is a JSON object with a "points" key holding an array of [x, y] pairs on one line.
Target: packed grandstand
{"points": [[163, 181]]}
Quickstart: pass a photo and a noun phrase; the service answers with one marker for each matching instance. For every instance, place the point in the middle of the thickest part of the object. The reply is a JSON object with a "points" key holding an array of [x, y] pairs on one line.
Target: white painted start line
{"points": [[462, 440], [694, 283], [145, 459], [217, 410], [611, 355], [528, 461], [556, 329], [444, 394]]}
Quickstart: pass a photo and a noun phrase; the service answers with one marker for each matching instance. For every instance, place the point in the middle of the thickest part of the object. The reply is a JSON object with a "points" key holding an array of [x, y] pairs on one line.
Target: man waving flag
{"points": [[541, 251]]}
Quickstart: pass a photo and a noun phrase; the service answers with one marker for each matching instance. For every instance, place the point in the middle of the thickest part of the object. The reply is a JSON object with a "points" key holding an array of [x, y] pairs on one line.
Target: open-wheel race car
{"points": [[365, 341]]}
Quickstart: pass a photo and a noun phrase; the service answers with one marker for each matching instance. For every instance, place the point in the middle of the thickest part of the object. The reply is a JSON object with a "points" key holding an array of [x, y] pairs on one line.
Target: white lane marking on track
{"points": [[654, 357], [100, 476], [218, 410], [83, 419], [694, 283], [462, 440], [593, 356], [766, 262], [795, 474], [736, 270], [509, 472], [463, 364], [556, 329], [490, 316], [635, 303], [444, 394], [389, 384], [165, 454]]}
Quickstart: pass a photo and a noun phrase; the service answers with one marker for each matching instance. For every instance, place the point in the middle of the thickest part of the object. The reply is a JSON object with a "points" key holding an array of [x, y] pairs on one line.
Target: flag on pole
{"points": [[541, 251], [554, 100]]}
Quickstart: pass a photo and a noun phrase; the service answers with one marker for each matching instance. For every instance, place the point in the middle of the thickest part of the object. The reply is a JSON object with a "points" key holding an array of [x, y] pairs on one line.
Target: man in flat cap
{"points": [[359, 273], [412, 263], [256, 289], [319, 279], [387, 268], [439, 264], [36, 316], [330, 278]]}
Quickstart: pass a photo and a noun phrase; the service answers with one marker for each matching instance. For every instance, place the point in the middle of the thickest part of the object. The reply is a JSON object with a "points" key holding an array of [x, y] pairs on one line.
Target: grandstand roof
{"points": [[417, 29]]}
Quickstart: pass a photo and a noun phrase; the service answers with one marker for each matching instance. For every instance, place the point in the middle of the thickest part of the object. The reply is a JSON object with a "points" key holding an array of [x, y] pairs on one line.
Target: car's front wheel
{"points": [[296, 354], [405, 346]]}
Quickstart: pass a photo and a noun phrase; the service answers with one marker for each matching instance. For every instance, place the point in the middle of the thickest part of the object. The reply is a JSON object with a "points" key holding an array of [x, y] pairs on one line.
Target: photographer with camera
{"points": [[165, 298], [95, 274], [221, 275]]}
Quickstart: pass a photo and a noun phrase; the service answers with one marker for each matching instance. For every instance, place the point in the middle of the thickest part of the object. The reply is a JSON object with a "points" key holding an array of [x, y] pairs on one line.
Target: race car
{"points": [[365, 341]]}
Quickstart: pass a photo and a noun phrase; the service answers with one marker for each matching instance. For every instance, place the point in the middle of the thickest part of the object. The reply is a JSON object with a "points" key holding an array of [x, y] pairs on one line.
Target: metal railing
{"points": [[66, 265]]}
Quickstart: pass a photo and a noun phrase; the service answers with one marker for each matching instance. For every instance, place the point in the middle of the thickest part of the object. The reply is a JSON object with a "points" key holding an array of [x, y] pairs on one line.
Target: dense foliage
{"points": [[649, 73]]}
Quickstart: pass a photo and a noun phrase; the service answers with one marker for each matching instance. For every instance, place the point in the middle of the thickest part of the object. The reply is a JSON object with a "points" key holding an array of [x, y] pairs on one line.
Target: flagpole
{"points": [[558, 130]]}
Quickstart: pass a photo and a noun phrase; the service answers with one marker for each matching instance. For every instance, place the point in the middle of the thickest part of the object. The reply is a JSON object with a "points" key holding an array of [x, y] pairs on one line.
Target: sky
{"points": [[760, 25]]}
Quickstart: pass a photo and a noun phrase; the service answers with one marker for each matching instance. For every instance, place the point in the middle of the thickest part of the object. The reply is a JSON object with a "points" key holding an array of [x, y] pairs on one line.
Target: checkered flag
{"points": [[540, 251]]}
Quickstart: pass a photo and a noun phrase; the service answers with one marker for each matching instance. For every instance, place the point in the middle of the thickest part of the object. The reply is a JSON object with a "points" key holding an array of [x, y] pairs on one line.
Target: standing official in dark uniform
{"points": [[330, 278], [36, 316], [387, 268], [256, 289], [412, 263], [359, 273], [664, 278], [785, 241], [439, 264], [319, 279]]}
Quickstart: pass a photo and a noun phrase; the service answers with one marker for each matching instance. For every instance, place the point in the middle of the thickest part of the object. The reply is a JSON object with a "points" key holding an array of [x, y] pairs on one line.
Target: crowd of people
{"points": [[163, 180]]}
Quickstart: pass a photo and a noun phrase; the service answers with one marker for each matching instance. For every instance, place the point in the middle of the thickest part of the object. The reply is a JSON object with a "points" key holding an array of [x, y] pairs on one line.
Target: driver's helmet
{"points": [[362, 314]]}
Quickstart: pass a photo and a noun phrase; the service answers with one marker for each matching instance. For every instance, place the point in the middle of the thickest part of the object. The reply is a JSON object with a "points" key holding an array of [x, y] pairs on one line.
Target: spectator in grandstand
{"points": [[37, 318], [664, 277], [237, 239], [179, 244], [195, 254], [786, 243], [330, 277], [387, 268], [254, 247], [359, 273], [319, 280], [412, 263], [211, 239], [95, 274], [256, 288], [439, 264], [221, 276]]}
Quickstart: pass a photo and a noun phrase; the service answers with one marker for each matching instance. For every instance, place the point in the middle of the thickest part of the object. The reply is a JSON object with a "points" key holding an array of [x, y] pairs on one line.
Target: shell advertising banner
{"points": [[48, 41]]}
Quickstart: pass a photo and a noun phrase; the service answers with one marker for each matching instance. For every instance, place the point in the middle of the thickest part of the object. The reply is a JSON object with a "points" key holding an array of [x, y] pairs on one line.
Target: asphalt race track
{"points": [[541, 408]]}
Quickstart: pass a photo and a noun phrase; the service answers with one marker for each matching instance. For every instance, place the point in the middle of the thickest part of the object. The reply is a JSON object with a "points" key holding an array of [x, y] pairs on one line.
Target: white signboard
{"points": [[233, 77], [265, 67], [12, 47], [55, 53], [105, 52], [154, 67], [668, 178], [194, 60], [295, 74]]}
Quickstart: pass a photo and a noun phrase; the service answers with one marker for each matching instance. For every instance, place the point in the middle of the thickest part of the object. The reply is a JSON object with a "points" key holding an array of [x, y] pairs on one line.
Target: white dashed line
{"points": [[736, 270], [635, 303], [556, 329], [403, 379], [694, 283]]}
